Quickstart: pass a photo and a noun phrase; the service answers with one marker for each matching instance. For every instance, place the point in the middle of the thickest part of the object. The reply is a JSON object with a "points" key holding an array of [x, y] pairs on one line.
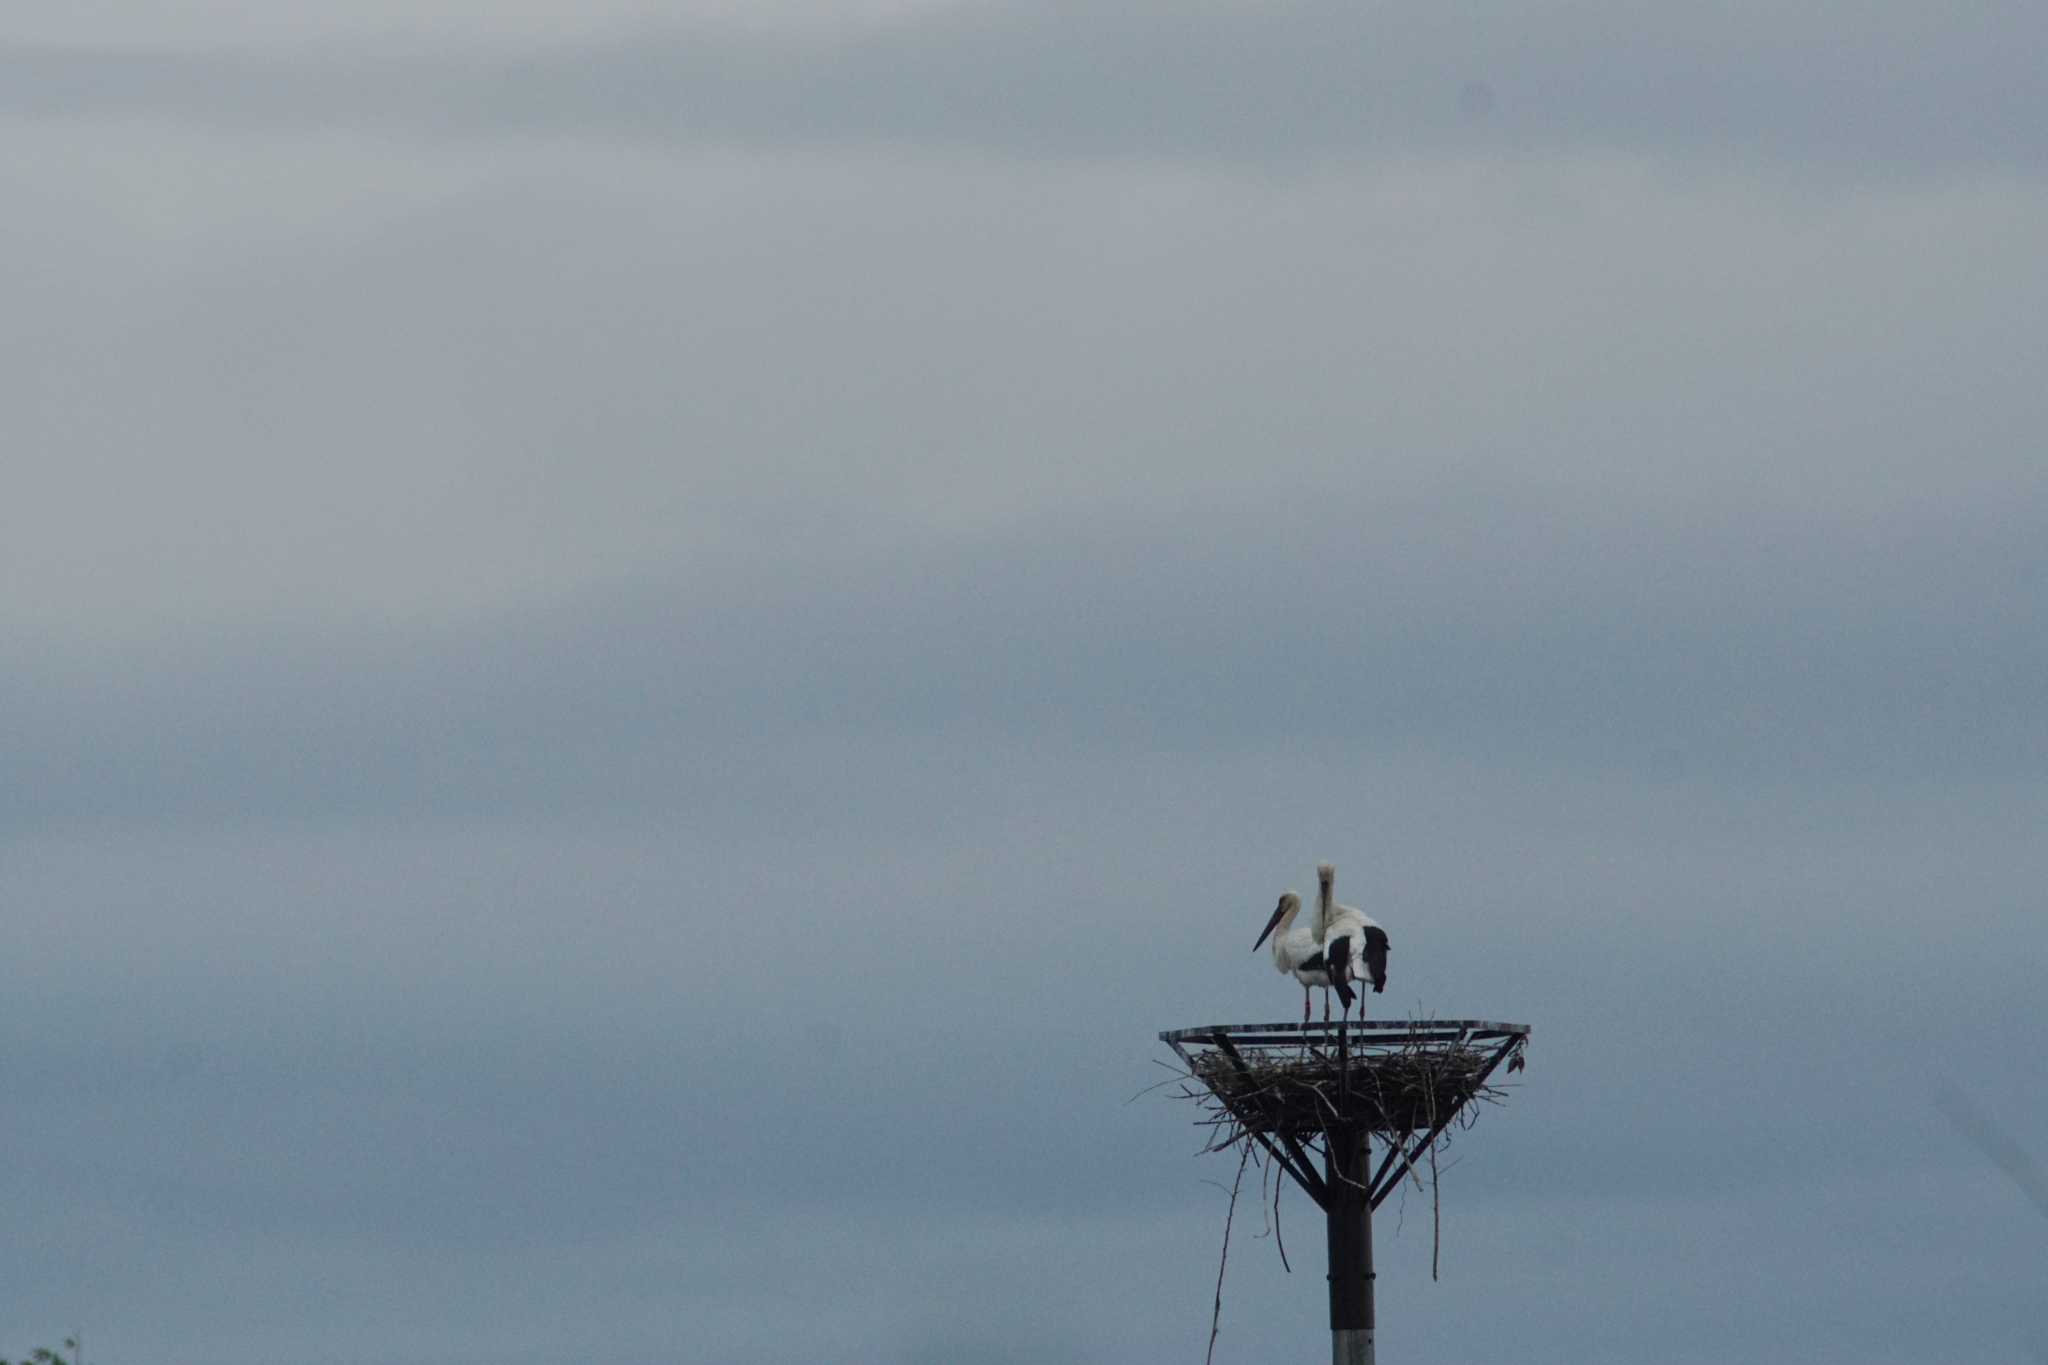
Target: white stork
{"points": [[1350, 937], [1298, 951]]}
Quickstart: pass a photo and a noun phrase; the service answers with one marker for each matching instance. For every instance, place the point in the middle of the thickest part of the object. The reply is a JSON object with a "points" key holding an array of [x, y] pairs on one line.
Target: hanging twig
{"points": [[1216, 1317], [1436, 1196], [1270, 1172], [1436, 1215], [1278, 1240]]}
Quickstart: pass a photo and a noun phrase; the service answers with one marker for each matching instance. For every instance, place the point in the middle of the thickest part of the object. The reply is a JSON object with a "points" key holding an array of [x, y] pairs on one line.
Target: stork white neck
{"points": [[1280, 929]]}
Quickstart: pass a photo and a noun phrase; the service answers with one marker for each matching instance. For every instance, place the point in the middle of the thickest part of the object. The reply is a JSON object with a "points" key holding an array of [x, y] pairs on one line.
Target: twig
{"points": [[1216, 1317], [1178, 1075], [1436, 1195], [1436, 1216], [1279, 1241], [1150, 1088]]}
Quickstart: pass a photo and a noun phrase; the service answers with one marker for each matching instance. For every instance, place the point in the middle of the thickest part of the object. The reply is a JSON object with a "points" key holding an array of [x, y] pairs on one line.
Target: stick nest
{"points": [[1303, 1092]]}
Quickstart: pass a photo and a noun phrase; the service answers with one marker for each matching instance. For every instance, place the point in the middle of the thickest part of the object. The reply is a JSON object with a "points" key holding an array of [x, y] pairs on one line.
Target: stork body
{"points": [[1298, 952], [1354, 945]]}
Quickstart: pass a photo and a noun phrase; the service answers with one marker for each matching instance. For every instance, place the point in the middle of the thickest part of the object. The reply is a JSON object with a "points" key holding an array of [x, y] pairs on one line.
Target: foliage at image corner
{"points": [[43, 1355]]}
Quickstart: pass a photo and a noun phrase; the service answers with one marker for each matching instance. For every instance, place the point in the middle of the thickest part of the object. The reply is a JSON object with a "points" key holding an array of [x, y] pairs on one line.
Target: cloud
{"points": [[1262, 84], [1418, 419]]}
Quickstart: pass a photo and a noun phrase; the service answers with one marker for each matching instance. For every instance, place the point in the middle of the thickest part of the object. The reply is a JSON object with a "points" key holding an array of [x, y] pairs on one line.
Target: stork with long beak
{"points": [[1298, 952]]}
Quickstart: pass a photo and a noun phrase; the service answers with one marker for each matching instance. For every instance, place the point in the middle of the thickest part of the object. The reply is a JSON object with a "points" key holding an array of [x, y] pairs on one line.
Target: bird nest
{"points": [[1295, 1083], [1304, 1091]]}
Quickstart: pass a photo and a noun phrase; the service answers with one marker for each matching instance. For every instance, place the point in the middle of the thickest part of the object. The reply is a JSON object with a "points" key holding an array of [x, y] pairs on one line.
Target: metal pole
{"points": [[1346, 1164]]}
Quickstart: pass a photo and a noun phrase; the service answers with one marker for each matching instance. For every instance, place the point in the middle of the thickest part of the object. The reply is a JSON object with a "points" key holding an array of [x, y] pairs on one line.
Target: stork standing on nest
{"points": [[1351, 938], [1298, 952]]}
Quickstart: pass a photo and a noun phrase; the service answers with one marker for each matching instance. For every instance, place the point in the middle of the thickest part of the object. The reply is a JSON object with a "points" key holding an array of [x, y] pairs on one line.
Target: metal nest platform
{"points": [[1290, 1087]]}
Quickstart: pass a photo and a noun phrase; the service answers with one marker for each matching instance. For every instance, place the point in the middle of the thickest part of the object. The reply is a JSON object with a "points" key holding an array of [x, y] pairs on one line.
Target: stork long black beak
{"points": [[1278, 911]]}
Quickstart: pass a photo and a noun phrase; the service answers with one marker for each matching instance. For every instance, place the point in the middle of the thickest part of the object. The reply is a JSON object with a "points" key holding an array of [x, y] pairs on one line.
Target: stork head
{"points": [[1289, 906], [1326, 875]]}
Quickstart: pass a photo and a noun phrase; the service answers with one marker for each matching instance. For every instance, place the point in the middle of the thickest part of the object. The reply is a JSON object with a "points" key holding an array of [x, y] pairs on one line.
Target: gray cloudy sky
{"points": [[647, 646]]}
